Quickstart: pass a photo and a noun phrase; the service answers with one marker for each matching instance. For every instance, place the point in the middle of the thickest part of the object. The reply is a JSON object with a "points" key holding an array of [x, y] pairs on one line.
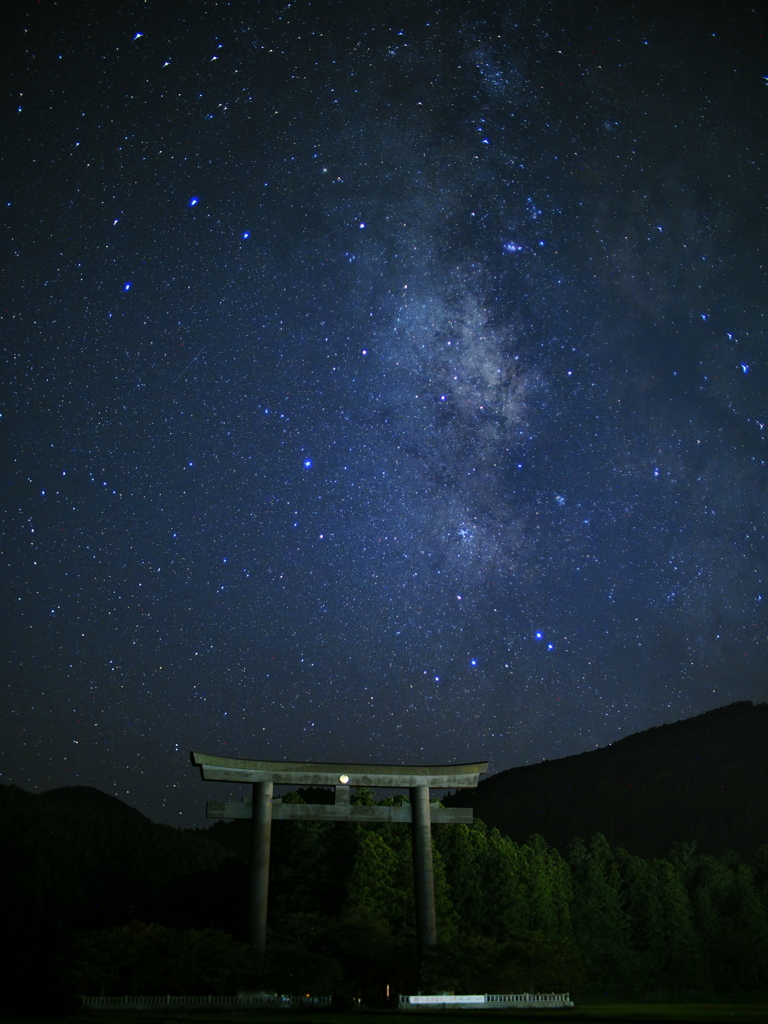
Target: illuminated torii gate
{"points": [[263, 809]]}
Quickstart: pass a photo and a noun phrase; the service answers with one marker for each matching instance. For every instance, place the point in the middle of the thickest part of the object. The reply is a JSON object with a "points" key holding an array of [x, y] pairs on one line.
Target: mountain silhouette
{"points": [[89, 800], [702, 780], [80, 856]]}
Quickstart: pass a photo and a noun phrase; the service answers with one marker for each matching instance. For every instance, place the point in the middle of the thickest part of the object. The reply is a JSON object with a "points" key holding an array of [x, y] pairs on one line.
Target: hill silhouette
{"points": [[702, 780], [89, 800], [80, 856]]}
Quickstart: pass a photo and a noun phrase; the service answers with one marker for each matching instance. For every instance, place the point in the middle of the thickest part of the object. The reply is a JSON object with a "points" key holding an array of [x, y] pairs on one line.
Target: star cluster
{"points": [[378, 384]]}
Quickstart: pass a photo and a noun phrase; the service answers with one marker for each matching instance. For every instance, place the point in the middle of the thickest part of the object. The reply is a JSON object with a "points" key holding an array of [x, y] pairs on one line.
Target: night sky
{"points": [[380, 382]]}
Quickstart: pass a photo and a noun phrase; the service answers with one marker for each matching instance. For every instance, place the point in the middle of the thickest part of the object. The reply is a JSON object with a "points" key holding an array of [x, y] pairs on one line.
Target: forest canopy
{"points": [[511, 916]]}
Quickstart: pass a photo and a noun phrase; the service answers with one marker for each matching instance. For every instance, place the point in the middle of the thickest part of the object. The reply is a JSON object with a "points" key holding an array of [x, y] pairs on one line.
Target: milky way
{"points": [[377, 385]]}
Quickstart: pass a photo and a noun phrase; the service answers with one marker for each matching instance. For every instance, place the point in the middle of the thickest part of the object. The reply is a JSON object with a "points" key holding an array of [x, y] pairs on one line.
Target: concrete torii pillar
{"points": [[258, 881], [263, 809], [423, 870]]}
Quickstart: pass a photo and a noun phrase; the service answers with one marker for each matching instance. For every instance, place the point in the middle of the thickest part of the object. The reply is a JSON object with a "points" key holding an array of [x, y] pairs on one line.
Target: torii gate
{"points": [[263, 809]]}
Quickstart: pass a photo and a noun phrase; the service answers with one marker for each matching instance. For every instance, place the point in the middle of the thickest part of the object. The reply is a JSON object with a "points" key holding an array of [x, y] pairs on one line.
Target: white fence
{"points": [[242, 1001], [520, 1000], [253, 1000]]}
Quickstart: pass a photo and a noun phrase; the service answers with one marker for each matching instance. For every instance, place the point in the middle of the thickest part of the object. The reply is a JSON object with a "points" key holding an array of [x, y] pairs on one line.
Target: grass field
{"points": [[622, 1013]]}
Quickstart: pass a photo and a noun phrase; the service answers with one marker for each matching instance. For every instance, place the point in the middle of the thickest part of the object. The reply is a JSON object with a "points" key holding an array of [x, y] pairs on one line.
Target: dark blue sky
{"points": [[380, 383]]}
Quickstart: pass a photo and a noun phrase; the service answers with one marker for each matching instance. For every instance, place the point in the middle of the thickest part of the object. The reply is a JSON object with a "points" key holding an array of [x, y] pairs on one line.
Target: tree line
{"points": [[511, 917], [125, 906], [521, 917]]}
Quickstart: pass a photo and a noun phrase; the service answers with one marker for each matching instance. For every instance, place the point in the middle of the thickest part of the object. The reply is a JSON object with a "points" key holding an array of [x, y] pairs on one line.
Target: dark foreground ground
{"points": [[622, 1013]]}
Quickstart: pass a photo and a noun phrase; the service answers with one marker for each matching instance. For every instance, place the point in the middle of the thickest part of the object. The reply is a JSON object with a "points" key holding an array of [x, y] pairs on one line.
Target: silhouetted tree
{"points": [[601, 926]]}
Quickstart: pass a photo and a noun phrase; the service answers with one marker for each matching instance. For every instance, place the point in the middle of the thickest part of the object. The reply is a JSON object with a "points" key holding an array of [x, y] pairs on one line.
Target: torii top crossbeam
{"points": [[302, 773]]}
